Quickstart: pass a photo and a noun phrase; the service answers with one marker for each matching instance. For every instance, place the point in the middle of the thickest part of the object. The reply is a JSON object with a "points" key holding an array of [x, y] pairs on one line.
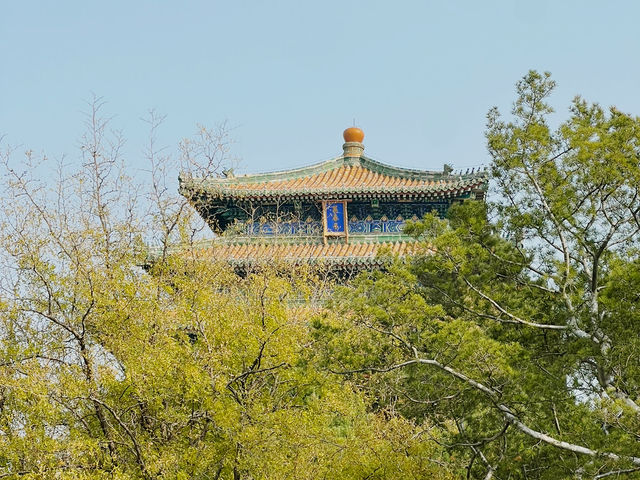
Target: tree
{"points": [[181, 369], [515, 333]]}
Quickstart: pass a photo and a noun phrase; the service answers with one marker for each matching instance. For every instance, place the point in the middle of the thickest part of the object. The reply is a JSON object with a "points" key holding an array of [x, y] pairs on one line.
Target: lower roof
{"points": [[335, 254]]}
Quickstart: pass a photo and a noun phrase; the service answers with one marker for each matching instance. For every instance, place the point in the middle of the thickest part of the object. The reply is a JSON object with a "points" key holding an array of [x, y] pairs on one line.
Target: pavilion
{"points": [[340, 213]]}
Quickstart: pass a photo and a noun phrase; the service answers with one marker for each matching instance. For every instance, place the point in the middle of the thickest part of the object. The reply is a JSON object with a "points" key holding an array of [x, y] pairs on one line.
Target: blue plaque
{"points": [[334, 217]]}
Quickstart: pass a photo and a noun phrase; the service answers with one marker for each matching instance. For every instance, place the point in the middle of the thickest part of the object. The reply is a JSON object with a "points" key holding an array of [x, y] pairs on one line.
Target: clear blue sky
{"points": [[418, 76]]}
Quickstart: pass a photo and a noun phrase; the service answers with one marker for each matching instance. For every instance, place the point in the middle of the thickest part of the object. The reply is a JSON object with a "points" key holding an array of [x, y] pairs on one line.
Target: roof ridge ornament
{"points": [[353, 146]]}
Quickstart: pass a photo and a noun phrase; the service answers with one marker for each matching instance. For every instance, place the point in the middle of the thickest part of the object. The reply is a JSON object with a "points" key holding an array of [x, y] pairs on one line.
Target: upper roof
{"points": [[344, 176]]}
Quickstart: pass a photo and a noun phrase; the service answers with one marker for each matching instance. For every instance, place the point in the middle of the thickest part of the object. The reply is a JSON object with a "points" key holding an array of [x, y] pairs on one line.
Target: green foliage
{"points": [[189, 371], [506, 347], [514, 331], [112, 366]]}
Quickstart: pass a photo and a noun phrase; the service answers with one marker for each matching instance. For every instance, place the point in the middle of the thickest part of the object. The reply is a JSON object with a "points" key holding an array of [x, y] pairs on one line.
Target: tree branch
{"points": [[508, 414], [131, 436]]}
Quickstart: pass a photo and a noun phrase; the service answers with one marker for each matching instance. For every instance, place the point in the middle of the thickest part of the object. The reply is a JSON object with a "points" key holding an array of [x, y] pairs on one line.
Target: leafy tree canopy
{"points": [[508, 347], [515, 333], [112, 366]]}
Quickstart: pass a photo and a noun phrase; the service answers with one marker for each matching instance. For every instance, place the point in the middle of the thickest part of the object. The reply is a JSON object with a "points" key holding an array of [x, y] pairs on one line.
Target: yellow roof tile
{"points": [[338, 252], [339, 176]]}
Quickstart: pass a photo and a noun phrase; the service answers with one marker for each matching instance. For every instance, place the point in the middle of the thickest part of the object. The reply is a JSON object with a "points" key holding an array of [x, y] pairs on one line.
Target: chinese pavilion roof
{"points": [[344, 177]]}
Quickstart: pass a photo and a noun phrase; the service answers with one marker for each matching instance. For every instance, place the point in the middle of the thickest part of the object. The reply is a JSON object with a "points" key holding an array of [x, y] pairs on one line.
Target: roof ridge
{"points": [[320, 167], [329, 165]]}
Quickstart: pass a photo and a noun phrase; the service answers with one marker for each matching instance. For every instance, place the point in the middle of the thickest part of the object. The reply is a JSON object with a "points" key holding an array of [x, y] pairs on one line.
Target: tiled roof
{"points": [[333, 253], [341, 176]]}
